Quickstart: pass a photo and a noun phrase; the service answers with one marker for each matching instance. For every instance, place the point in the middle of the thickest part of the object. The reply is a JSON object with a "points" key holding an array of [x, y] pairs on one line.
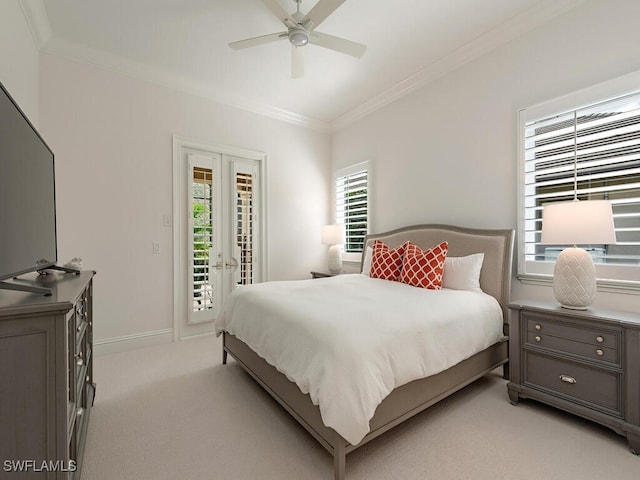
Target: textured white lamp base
{"points": [[335, 259], [574, 279]]}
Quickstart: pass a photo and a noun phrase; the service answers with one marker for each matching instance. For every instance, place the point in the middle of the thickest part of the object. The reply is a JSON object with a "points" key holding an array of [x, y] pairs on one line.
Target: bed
{"points": [[402, 400]]}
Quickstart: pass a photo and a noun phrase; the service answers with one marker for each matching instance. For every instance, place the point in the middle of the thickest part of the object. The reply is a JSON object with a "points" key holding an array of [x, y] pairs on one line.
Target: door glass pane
{"points": [[244, 226], [202, 237]]}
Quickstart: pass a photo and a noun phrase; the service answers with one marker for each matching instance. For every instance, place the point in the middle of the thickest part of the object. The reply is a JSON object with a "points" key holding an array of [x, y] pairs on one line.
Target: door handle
{"points": [[232, 262]]}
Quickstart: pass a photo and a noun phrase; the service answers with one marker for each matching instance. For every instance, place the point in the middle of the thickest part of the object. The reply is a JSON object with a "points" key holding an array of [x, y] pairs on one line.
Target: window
{"points": [[352, 207], [587, 146]]}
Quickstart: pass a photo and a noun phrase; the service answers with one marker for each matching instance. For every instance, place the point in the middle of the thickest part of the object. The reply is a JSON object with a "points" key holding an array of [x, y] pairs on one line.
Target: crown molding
{"points": [[115, 63], [37, 19], [478, 47]]}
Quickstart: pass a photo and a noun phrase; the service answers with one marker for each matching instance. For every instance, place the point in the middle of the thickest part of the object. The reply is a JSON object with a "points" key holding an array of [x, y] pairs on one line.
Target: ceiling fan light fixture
{"points": [[298, 37]]}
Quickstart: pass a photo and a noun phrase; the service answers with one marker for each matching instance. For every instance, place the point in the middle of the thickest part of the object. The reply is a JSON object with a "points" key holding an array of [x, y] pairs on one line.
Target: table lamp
{"points": [[334, 235], [587, 222]]}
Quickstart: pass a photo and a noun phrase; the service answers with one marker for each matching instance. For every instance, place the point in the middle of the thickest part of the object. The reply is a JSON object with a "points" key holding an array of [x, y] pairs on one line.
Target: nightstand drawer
{"points": [[581, 333], [564, 345], [595, 388]]}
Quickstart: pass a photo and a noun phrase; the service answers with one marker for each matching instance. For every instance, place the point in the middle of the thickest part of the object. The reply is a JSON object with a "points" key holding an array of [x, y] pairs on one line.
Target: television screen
{"points": [[27, 194]]}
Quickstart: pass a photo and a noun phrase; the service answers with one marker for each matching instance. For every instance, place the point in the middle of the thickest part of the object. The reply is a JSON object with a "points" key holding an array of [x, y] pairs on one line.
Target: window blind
{"points": [[352, 204], [589, 153]]}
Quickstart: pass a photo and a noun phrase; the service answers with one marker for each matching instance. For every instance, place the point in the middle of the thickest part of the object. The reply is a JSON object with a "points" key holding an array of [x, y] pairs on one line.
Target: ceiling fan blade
{"points": [[320, 12], [252, 42], [338, 44], [297, 62], [280, 12]]}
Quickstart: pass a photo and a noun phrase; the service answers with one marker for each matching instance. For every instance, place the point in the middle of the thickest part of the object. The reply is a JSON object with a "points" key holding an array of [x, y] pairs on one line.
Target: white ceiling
{"points": [[183, 43]]}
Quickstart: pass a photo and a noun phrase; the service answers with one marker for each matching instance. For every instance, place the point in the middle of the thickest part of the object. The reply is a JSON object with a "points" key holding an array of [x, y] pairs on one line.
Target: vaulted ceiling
{"points": [[184, 44]]}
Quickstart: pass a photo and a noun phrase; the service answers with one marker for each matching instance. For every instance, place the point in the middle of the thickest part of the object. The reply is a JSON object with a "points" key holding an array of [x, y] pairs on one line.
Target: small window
{"points": [[352, 207], [588, 151]]}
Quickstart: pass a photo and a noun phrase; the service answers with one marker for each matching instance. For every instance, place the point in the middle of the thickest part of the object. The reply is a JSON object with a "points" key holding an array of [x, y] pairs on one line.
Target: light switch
{"points": [[156, 247]]}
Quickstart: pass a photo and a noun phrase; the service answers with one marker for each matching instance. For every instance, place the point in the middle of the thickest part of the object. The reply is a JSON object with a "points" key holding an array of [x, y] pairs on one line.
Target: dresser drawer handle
{"points": [[599, 352], [538, 327], [599, 339], [568, 379], [538, 338]]}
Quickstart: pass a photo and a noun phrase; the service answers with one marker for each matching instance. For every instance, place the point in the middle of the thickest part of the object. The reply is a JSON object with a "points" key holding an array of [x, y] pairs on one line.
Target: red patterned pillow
{"points": [[386, 263], [424, 268]]}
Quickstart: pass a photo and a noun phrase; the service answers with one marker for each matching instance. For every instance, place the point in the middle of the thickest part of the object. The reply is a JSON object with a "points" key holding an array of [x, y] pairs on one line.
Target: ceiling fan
{"points": [[301, 31]]}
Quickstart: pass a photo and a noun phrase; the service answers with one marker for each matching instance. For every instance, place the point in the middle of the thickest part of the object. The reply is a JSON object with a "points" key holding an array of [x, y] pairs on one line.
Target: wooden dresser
{"points": [[46, 376], [584, 362]]}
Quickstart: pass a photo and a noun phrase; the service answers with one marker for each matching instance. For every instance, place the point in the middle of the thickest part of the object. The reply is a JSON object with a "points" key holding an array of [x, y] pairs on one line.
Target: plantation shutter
{"points": [[352, 205], [589, 153]]}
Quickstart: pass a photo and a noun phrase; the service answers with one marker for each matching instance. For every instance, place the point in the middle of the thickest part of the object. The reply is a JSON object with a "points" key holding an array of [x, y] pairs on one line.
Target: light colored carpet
{"points": [[174, 412]]}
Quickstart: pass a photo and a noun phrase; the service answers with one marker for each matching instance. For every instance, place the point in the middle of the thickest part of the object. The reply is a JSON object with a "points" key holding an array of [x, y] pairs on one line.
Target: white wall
{"points": [[112, 137], [19, 59], [448, 153]]}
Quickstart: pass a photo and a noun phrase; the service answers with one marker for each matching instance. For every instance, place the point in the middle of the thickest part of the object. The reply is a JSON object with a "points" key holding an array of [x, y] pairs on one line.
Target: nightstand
{"points": [[323, 274], [584, 362]]}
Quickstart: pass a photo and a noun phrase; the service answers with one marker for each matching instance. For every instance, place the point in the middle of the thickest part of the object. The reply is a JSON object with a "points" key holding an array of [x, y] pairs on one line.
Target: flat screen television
{"points": [[27, 196]]}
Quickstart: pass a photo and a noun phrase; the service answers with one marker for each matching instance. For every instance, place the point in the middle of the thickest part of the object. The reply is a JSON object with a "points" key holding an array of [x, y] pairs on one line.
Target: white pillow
{"points": [[366, 265], [463, 273]]}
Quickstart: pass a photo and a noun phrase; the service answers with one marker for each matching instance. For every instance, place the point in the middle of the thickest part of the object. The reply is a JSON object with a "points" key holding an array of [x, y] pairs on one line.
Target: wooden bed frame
{"points": [[412, 398]]}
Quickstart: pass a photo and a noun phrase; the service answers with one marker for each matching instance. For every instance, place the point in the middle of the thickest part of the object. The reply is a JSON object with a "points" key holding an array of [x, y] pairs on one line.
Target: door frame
{"points": [[180, 290]]}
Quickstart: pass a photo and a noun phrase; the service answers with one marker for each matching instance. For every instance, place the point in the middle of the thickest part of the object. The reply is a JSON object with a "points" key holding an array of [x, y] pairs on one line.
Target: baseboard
{"points": [[132, 342]]}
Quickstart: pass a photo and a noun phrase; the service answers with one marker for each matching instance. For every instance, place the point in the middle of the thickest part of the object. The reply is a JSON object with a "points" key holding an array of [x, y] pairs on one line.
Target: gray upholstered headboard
{"points": [[497, 246]]}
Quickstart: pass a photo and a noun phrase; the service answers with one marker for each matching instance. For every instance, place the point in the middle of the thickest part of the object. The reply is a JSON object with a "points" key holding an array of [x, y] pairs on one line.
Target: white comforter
{"points": [[349, 340]]}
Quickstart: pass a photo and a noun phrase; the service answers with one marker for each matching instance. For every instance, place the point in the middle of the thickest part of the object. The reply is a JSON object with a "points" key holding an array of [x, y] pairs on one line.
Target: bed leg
{"points": [[339, 458], [224, 348]]}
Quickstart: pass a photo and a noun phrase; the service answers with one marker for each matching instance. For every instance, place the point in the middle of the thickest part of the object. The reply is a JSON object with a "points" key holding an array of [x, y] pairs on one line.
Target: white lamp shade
{"points": [[578, 223], [333, 234]]}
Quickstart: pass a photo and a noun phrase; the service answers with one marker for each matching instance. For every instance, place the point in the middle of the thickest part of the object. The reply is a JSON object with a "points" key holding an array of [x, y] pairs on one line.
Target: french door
{"points": [[220, 245]]}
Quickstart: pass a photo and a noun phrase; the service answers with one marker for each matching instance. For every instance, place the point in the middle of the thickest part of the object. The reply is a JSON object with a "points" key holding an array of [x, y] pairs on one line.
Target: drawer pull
{"points": [[599, 352], [538, 338], [568, 379], [599, 339], [538, 327]]}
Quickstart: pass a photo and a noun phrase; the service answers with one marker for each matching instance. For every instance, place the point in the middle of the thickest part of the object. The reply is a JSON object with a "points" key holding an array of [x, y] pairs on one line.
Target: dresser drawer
{"points": [[584, 332], [592, 387], [564, 345]]}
